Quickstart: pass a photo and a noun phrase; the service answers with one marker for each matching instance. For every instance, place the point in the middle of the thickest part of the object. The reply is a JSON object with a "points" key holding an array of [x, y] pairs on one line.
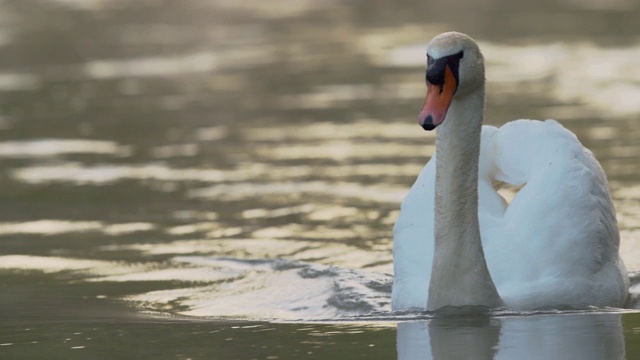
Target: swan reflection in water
{"points": [[575, 336]]}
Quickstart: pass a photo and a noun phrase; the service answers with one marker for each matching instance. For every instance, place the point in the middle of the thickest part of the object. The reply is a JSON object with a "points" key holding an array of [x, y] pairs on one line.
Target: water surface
{"points": [[219, 179]]}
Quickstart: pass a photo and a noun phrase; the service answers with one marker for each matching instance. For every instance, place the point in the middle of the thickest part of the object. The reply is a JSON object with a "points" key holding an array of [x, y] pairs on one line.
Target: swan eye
{"points": [[429, 60]]}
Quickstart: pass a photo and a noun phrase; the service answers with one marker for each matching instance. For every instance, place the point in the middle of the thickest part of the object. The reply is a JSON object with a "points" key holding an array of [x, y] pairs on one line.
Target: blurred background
{"points": [[156, 152]]}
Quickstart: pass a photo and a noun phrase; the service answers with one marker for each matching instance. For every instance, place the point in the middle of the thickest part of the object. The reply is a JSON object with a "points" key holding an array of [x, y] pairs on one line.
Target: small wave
{"points": [[276, 289]]}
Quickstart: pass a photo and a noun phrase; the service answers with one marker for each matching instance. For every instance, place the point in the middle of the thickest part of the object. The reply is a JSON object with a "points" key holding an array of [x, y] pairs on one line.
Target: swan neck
{"points": [[459, 275], [458, 152]]}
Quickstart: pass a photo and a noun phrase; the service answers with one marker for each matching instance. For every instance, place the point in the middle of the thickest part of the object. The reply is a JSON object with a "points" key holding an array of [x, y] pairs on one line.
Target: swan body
{"points": [[458, 242]]}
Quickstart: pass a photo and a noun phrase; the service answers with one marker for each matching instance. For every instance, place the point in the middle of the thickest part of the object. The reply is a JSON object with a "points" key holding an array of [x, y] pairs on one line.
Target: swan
{"points": [[458, 242]]}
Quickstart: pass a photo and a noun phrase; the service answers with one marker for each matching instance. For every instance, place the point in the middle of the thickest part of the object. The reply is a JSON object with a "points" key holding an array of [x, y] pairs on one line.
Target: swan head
{"points": [[455, 68]]}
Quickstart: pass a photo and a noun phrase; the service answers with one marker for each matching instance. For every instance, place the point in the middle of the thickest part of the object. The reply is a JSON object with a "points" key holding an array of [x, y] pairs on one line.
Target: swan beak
{"points": [[438, 99]]}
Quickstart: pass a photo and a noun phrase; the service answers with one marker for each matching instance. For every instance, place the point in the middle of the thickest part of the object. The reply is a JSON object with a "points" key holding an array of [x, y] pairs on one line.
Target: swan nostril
{"points": [[428, 127], [427, 124]]}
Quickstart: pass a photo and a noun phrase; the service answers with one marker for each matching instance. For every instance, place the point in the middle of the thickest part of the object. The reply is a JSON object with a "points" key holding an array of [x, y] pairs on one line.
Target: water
{"points": [[218, 179]]}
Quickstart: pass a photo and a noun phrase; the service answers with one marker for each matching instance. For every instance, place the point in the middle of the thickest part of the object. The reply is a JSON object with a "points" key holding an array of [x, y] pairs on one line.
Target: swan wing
{"points": [[558, 240]]}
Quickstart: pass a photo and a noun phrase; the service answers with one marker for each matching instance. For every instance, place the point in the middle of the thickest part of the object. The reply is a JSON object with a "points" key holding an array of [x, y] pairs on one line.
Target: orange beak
{"points": [[438, 100]]}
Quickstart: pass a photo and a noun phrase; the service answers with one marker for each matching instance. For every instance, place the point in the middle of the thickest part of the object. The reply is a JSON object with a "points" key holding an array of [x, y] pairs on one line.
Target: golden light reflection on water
{"points": [[109, 173], [76, 173], [343, 150], [18, 81], [58, 227], [47, 264], [630, 249], [45, 148], [275, 213], [389, 194], [266, 246], [392, 130], [153, 66]]}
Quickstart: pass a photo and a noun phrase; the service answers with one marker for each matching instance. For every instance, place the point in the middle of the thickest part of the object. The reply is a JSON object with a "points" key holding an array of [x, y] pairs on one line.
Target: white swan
{"points": [[457, 241]]}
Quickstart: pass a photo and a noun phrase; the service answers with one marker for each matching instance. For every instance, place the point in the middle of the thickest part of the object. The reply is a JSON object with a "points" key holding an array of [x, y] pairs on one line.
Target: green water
{"points": [[219, 179]]}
